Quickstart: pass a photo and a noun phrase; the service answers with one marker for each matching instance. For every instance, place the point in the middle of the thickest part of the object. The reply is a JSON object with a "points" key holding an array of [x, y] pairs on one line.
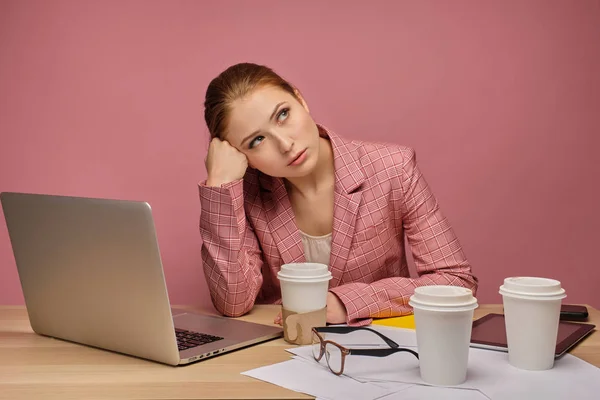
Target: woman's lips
{"points": [[299, 159]]}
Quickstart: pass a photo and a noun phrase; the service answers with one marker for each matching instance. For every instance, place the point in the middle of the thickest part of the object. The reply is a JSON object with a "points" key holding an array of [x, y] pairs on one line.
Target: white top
{"points": [[317, 249]]}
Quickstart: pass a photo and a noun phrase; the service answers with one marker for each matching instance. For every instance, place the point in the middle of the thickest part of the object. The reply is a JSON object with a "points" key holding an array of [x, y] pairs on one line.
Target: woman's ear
{"points": [[301, 99]]}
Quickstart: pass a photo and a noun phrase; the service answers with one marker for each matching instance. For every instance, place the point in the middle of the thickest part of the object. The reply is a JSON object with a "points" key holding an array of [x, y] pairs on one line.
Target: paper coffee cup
{"points": [[304, 288], [443, 321], [531, 314]]}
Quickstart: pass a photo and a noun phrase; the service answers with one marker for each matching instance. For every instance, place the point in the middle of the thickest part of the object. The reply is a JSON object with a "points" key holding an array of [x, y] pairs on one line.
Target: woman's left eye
{"points": [[256, 141], [283, 114]]}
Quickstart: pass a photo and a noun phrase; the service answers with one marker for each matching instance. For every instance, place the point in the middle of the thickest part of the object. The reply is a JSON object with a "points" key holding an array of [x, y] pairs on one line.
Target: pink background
{"points": [[501, 100]]}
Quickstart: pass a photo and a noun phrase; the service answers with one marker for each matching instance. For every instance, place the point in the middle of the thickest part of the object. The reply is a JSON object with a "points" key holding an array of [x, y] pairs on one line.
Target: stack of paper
{"points": [[397, 376]]}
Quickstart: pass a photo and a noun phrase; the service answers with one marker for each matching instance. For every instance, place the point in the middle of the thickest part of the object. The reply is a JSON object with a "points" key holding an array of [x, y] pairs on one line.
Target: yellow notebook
{"points": [[407, 321]]}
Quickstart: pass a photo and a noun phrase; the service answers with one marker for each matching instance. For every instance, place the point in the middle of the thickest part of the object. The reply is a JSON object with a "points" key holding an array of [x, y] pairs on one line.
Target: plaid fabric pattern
{"points": [[248, 231]]}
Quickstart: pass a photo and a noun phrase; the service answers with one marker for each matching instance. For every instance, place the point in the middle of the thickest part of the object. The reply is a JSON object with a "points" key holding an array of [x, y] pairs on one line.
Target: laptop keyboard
{"points": [[188, 339]]}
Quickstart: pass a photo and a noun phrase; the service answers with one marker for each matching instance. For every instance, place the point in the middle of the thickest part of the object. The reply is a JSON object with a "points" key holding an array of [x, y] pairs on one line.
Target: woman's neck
{"points": [[321, 178]]}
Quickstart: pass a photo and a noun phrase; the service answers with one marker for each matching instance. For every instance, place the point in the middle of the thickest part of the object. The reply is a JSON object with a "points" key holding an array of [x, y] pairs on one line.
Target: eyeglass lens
{"points": [[316, 346], [334, 357], [333, 354]]}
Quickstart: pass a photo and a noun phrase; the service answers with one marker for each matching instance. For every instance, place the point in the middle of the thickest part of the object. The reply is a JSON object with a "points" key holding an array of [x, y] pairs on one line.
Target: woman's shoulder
{"points": [[379, 154]]}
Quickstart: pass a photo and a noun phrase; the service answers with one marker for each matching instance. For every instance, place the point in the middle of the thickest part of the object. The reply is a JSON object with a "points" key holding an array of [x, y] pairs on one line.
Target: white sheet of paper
{"points": [[418, 392], [323, 386], [571, 378], [392, 386], [308, 378], [488, 371]]}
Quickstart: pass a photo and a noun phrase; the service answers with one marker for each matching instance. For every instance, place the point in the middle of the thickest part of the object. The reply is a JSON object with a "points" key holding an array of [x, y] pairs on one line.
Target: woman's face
{"points": [[275, 132]]}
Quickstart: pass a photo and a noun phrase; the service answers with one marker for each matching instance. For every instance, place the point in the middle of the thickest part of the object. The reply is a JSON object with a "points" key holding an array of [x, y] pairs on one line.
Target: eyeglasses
{"points": [[335, 354]]}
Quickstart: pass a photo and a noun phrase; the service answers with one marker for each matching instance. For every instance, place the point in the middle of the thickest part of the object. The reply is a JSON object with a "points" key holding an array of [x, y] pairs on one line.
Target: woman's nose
{"points": [[285, 143]]}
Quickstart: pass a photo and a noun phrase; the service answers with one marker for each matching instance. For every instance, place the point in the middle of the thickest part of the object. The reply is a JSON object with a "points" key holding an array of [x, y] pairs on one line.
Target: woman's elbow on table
{"points": [[228, 306], [465, 278]]}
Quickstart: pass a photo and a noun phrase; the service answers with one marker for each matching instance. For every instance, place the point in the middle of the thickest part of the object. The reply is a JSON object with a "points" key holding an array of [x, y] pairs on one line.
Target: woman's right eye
{"points": [[255, 142]]}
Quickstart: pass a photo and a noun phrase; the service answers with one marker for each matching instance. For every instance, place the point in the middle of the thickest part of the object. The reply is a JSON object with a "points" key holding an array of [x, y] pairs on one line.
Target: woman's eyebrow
{"points": [[270, 118]]}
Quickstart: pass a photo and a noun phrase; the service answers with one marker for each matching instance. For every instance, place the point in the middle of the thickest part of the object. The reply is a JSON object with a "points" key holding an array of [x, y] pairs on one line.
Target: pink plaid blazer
{"points": [[248, 232]]}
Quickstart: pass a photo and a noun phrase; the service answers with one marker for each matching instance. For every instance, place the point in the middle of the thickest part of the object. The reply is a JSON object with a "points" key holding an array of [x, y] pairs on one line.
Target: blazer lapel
{"points": [[344, 221], [347, 197], [281, 221]]}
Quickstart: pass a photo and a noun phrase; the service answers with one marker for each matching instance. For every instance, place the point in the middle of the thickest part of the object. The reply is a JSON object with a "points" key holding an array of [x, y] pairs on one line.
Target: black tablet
{"points": [[489, 332]]}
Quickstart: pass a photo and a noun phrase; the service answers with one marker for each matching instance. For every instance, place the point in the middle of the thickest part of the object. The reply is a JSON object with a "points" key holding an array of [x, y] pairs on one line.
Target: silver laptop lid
{"points": [[91, 272]]}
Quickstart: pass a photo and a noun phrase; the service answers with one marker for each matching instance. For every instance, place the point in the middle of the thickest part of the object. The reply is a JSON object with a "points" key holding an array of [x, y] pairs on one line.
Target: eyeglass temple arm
{"points": [[348, 329], [380, 352]]}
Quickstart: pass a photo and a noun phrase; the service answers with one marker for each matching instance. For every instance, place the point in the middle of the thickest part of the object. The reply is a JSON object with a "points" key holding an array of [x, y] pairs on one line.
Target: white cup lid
{"points": [[304, 271], [532, 287], [443, 297]]}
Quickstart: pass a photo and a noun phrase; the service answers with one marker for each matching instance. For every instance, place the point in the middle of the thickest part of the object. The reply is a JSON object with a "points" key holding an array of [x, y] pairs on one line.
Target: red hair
{"points": [[236, 82]]}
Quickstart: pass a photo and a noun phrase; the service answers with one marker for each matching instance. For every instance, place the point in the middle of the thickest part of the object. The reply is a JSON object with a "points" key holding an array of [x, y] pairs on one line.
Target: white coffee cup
{"points": [[531, 314], [304, 286], [443, 320]]}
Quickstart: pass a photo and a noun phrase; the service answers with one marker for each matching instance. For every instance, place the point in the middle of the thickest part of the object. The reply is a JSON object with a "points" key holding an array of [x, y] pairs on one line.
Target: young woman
{"points": [[281, 188]]}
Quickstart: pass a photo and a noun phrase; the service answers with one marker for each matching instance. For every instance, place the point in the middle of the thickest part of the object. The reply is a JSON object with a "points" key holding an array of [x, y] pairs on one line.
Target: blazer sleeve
{"points": [[437, 253], [231, 256]]}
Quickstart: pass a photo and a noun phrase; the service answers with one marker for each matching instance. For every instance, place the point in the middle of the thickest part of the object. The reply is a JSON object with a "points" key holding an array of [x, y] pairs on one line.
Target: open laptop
{"points": [[91, 273]]}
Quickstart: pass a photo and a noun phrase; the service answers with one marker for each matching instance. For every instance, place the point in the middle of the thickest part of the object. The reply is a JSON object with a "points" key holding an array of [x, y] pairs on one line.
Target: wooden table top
{"points": [[37, 367]]}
